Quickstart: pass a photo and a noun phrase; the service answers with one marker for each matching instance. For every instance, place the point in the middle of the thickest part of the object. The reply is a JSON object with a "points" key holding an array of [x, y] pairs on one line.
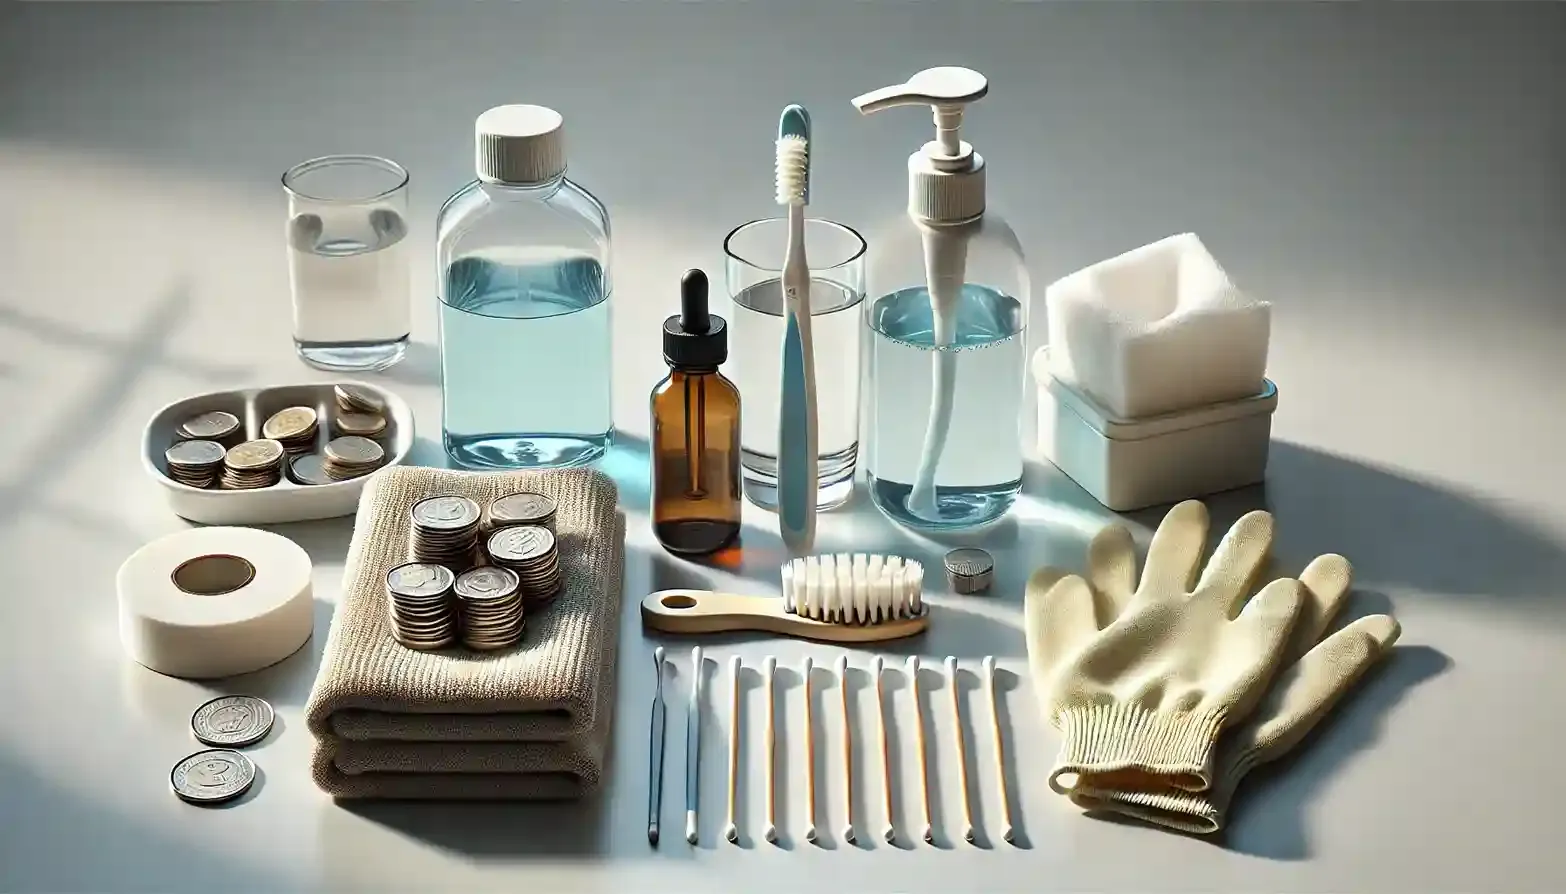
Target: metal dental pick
{"points": [[1000, 757], [655, 750], [769, 670], [848, 752], [886, 751], [731, 831], [693, 748], [924, 763], [962, 749], [810, 758]]}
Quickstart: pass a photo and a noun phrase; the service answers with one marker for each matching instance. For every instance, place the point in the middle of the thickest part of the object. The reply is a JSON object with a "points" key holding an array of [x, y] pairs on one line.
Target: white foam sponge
{"points": [[1159, 329]]}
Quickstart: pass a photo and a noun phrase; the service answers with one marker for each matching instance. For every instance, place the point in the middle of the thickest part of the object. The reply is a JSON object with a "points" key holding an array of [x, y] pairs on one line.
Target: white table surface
{"points": [[1390, 177]]}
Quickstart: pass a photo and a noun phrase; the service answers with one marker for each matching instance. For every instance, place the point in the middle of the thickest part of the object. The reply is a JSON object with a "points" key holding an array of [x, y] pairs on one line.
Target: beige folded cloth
{"points": [[531, 722]]}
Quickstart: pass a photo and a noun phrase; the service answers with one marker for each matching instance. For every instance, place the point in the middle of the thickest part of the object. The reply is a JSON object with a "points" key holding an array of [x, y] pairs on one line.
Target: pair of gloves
{"points": [[1168, 690]]}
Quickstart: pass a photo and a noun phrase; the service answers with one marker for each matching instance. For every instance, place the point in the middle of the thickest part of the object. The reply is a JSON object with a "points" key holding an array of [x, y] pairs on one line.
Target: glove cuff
{"points": [[1196, 813], [1177, 746]]}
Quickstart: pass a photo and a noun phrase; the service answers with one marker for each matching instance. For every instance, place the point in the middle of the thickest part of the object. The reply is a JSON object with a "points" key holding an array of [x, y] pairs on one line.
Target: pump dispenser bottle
{"points": [[947, 334], [695, 431]]}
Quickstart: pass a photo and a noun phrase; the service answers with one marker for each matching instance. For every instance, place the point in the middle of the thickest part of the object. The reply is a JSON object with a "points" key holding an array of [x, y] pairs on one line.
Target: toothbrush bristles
{"points": [[793, 164], [732, 833]]}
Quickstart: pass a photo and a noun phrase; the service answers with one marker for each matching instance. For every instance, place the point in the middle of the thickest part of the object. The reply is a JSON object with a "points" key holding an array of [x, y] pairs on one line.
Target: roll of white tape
{"points": [[214, 602]]}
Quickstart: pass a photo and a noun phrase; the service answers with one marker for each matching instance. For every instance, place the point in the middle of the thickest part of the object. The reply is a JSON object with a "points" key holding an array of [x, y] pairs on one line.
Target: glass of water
{"points": [[348, 264], [753, 268]]}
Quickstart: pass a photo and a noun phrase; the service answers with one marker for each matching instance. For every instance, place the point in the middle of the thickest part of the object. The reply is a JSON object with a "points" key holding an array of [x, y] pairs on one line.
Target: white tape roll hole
{"points": [[215, 602]]}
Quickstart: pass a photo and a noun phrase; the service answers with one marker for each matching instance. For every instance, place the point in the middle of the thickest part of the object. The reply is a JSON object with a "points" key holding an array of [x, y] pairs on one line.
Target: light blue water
{"points": [[525, 361], [979, 473]]}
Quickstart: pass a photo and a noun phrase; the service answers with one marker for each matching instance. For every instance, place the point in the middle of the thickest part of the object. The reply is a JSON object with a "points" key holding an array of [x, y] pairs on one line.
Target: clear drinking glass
{"points": [[753, 268], [348, 262]]}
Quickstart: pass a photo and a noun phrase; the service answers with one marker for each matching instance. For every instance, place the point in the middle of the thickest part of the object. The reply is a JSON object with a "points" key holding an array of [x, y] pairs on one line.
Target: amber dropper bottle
{"points": [[695, 431]]}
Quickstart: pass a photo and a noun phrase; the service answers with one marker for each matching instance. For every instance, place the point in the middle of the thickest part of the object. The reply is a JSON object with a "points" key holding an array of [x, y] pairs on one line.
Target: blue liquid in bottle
{"points": [[526, 362], [980, 470]]}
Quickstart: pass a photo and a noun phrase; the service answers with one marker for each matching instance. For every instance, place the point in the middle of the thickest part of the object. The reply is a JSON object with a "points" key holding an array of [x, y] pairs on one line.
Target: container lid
{"points": [[1116, 428], [519, 145], [969, 569], [945, 176], [695, 338]]}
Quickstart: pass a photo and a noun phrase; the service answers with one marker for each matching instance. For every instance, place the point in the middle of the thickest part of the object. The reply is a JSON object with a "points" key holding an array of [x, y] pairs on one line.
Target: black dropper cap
{"points": [[694, 338]]}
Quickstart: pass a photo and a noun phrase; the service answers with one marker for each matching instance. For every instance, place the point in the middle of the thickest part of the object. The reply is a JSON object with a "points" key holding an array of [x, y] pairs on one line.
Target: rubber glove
{"points": [[1320, 672], [1144, 676]]}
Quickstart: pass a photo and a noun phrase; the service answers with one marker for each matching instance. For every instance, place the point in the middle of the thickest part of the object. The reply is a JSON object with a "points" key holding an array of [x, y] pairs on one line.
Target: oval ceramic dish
{"points": [[285, 501]]}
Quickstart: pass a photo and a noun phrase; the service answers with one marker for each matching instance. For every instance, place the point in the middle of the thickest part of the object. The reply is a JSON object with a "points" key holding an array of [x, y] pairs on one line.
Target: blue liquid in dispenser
{"points": [[526, 361], [980, 471]]}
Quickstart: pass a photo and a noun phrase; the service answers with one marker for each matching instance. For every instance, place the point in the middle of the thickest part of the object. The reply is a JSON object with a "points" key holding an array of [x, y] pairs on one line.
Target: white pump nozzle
{"points": [[945, 177]]}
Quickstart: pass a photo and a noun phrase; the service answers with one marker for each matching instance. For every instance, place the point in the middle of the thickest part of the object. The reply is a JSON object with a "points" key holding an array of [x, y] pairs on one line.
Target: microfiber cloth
{"points": [[531, 722]]}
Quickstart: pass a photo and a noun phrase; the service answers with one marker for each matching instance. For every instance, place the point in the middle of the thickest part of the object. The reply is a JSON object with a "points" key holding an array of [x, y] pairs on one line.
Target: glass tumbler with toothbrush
{"points": [[835, 256]]}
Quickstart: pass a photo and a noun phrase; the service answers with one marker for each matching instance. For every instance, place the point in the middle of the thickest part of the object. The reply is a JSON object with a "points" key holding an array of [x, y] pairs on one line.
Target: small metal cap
{"points": [[969, 569]]}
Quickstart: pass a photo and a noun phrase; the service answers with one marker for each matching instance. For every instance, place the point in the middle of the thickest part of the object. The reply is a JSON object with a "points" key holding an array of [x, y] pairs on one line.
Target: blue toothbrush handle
{"points": [[797, 437]]}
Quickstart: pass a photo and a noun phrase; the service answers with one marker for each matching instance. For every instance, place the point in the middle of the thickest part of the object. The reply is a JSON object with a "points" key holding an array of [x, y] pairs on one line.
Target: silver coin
{"points": [[213, 426], [309, 468], [353, 398], [232, 721], [522, 508], [353, 450], [195, 454], [212, 776], [250, 456], [448, 513], [361, 424], [520, 544], [486, 583], [290, 424], [419, 580]]}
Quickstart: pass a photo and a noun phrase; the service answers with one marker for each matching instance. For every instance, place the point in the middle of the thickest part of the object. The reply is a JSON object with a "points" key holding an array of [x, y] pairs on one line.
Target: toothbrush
{"points": [[848, 752], [797, 416], [655, 752], [833, 598], [693, 748]]}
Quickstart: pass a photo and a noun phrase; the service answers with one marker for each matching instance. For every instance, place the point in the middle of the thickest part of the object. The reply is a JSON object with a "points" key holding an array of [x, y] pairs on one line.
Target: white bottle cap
{"points": [[945, 177], [520, 145]]}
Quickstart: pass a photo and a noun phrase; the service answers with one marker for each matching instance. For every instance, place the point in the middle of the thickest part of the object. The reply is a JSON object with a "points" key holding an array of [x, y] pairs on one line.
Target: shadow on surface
{"points": [[498, 831], [420, 366], [129, 853]]}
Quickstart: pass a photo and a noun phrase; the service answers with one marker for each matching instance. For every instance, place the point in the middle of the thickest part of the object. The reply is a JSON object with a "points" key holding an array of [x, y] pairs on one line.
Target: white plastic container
{"points": [[284, 501], [1131, 464]]}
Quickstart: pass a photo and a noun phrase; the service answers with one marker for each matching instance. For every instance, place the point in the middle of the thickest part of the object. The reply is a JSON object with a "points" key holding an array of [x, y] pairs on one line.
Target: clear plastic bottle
{"points": [[524, 282], [947, 339]]}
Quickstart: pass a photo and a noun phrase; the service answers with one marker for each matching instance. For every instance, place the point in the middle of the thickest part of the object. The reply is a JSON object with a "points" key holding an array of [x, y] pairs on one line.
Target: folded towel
{"points": [[391, 722]]}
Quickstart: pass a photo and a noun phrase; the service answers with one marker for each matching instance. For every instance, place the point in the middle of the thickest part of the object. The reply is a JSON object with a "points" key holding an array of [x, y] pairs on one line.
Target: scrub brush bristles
{"points": [[793, 169], [853, 589]]}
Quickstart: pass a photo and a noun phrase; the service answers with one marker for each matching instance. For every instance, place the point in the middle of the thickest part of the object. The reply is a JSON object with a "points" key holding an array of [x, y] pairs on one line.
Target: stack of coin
{"points": [[445, 531], [525, 508], [351, 457], [294, 428], [224, 428], [354, 399], [531, 553], [364, 425], [253, 464], [196, 463], [489, 605], [420, 606], [308, 469]]}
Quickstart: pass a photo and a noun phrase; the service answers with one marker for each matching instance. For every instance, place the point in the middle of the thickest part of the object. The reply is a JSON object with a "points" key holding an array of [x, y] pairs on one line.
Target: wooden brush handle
{"points": [[706, 611]]}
